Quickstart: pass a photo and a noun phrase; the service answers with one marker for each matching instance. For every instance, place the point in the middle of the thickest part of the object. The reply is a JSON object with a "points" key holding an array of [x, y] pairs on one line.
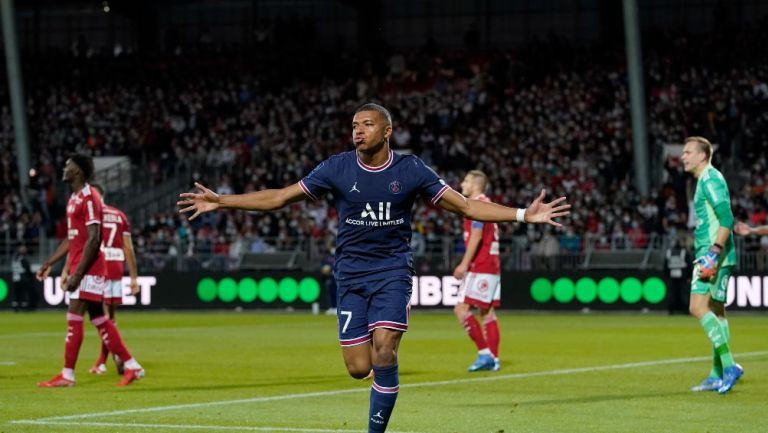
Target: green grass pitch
{"points": [[272, 372]]}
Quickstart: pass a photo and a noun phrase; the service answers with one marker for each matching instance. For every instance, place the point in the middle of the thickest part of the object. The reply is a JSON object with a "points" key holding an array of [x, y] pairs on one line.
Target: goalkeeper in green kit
{"points": [[715, 259]]}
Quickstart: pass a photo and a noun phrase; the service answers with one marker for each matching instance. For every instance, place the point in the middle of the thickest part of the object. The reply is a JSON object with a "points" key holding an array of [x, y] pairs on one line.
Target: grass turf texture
{"points": [[199, 358]]}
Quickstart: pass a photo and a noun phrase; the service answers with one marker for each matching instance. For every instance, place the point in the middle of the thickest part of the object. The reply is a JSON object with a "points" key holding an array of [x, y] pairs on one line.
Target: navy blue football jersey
{"points": [[374, 206]]}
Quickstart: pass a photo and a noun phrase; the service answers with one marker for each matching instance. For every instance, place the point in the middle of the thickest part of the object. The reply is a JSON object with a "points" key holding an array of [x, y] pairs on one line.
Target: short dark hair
{"points": [[377, 108], [85, 163], [100, 189]]}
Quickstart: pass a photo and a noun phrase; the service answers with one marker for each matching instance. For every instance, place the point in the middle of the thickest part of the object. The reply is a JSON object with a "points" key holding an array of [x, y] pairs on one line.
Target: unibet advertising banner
{"points": [[519, 290], [198, 291], [555, 291], [608, 290]]}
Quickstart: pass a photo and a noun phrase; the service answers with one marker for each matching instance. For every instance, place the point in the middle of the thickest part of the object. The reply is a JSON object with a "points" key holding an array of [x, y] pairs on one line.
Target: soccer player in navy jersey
{"points": [[374, 190]]}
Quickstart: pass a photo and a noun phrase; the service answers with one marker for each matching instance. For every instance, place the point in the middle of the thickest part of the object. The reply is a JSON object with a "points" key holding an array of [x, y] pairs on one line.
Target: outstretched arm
{"points": [[536, 212], [743, 229], [205, 200]]}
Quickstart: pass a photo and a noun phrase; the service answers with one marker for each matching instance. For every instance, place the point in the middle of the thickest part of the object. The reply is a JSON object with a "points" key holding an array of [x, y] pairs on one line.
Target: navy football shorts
{"points": [[365, 306]]}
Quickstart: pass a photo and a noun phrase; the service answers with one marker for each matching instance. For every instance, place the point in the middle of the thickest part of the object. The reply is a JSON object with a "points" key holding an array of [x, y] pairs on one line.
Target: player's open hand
{"points": [[202, 201], [544, 213], [741, 229], [43, 272]]}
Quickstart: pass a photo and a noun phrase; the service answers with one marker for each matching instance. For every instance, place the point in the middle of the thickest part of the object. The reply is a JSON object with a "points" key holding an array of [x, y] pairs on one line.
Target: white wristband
{"points": [[520, 217]]}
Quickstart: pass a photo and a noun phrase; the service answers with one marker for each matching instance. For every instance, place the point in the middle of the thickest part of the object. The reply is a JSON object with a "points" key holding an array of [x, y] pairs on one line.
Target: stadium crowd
{"points": [[551, 115]]}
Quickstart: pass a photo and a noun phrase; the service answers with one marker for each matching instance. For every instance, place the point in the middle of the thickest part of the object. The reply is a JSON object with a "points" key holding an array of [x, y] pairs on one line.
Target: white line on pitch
{"points": [[494, 377], [31, 335], [7, 363], [193, 427], [142, 331]]}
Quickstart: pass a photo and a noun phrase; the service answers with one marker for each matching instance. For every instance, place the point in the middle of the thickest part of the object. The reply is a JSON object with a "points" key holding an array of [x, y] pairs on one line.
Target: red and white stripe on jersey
{"points": [[440, 194], [382, 167], [307, 191], [385, 389], [355, 341]]}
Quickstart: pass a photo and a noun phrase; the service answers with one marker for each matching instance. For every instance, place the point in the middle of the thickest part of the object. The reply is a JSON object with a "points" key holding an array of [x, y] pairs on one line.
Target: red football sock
{"points": [[111, 337], [74, 339], [492, 335], [475, 332], [103, 354]]}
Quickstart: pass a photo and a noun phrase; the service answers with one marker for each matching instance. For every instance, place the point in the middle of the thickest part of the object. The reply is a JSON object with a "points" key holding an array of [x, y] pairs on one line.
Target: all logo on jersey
{"points": [[395, 187], [376, 215], [382, 215]]}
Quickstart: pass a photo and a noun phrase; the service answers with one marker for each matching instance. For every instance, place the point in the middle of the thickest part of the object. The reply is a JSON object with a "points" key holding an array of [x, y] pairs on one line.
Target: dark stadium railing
{"points": [[436, 253], [38, 249]]}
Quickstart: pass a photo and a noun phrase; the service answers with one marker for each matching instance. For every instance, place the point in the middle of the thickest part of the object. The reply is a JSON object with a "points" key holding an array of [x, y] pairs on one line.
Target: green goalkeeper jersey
{"points": [[712, 203]]}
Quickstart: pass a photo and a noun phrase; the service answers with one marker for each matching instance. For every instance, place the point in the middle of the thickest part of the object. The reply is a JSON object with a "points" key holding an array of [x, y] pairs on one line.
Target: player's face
{"points": [[70, 171], [467, 185], [692, 156], [370, 131]]}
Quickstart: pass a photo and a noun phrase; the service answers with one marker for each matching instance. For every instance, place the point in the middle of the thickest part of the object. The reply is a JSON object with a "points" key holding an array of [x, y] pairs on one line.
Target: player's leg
{"points": [[491, 323], [492, 334], [114, 341], [463, 312], [388, 315], [719, 309], [119, 363], [354, 337], [357, 359], [731, 370], [702, 292], [100, 366], [699, 308], [74, 340], [717, 365], [386, 380], [108, 332], [477, 290], [112, 298]]}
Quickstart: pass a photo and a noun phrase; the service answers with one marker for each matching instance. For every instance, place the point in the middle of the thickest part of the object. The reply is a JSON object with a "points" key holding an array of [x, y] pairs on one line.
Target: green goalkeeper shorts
{"points": [[717, 287]]}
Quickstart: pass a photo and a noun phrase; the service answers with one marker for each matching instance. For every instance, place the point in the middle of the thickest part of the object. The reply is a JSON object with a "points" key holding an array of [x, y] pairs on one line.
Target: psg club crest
{"points": [[395, 187]]}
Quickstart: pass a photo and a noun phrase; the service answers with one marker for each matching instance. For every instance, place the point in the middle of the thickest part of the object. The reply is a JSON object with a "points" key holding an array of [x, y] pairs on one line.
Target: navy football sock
{"points": [[384, 390]]}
